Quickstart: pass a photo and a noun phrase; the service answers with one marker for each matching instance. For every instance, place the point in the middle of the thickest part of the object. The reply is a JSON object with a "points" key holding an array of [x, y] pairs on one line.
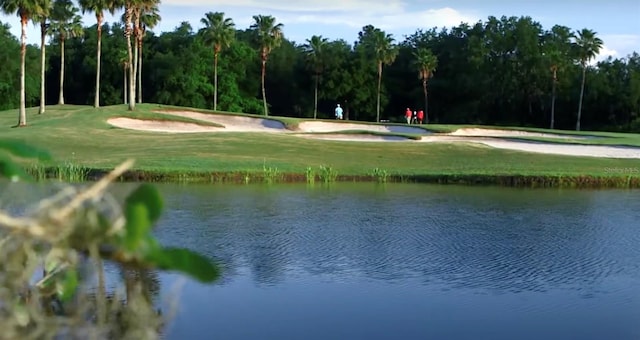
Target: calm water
{"points": [[366, 261]]}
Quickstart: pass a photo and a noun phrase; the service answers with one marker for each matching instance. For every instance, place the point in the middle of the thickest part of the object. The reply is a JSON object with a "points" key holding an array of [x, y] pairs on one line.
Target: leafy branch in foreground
{"points": [[62, 236]]}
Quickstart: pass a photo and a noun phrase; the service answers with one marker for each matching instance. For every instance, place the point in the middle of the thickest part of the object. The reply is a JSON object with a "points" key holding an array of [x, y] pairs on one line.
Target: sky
{"points": [[616, 22]]}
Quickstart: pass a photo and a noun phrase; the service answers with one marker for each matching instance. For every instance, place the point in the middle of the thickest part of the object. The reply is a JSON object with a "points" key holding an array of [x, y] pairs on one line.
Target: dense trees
{"points": [[26, 10], [505, 70]]}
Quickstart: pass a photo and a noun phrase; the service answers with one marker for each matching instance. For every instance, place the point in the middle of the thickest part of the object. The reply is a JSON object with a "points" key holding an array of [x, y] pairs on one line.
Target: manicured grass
{"points": [[80, 135]]}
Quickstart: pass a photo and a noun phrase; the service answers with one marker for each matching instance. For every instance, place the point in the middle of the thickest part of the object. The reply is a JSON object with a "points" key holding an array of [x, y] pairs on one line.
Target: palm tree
{"points": [[314, 49], [98, 7], [587, 47], [269, 37], [557, 52], [42, 20], [219, 32], [26, 10], [124, 60], [555, 60], [385, 53], [130, 13], [65, 23], [426, 62], [149, 18]]}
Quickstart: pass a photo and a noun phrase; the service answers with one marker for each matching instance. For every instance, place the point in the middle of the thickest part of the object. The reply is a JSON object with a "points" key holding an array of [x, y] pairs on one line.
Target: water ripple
{"points": [[505, 241]]}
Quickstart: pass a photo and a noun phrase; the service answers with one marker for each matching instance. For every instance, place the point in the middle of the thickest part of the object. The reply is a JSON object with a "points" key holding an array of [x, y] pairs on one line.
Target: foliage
{"points": [[494, 72], [63, 236], [381, 175], [327, 174]]}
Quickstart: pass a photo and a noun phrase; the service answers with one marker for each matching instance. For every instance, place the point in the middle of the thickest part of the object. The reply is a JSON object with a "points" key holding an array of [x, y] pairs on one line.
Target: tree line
{"points": [[500, 71]]}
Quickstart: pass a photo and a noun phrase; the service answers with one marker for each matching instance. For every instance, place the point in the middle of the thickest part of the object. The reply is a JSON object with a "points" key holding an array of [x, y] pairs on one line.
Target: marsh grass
{"points": [[380, 175], [327, 174], [71, 172], [271, 174], [37, 171], [310, 175]]}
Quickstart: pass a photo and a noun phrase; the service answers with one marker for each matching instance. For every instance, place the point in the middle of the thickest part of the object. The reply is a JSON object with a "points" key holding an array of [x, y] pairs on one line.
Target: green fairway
{"points": [[81, 135]]}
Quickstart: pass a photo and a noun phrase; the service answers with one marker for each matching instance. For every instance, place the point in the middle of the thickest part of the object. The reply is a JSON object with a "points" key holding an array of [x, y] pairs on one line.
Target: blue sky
{"points": [[617, 22]]}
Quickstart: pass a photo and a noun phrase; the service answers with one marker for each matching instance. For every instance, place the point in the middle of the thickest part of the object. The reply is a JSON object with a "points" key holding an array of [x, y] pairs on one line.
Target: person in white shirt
{"points": [[338, 112]]}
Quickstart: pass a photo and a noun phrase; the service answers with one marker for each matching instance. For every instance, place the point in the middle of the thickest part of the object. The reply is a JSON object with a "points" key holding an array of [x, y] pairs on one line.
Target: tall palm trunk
{"points": [[43, 49], [553, 98], [132, 93], [140, 70], [584, 75], [315, 99], [61, 97], [426, 101], [215, 81], [124, 83], [379, 87], [264, 94], [96, 102], [22, 116], [134, 70]]}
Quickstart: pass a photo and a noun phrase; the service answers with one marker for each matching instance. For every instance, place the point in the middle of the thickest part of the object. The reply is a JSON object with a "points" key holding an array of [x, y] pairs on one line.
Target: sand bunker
{"points": [[476, 132], [495, 138], [339, 126], [602, 151], [233, 123], [160, 126], [355, 137]]}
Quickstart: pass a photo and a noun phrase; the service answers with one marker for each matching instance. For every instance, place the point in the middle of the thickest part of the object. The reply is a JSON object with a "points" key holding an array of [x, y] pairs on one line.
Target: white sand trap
{"points": [[488, 137], [479, 132], [337, 126], [355, 137], [233, 123], [602, 151], [160, 126]]}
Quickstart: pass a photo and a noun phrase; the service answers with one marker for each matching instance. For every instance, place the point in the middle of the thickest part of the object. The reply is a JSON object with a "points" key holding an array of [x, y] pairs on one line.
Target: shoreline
{"points": [[628, 180]]}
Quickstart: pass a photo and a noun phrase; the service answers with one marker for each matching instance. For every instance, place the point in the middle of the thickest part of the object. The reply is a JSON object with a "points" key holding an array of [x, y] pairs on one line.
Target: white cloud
{"points": [[605, 53], [620, 45], [368, 6], [391, 21]]}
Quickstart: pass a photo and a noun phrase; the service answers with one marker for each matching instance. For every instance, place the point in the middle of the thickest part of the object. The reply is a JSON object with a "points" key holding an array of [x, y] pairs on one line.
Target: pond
{"points": [[406, 261]]}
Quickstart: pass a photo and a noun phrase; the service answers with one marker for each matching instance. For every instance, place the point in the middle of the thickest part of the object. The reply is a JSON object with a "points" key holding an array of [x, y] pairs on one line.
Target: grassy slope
{"points": [[81, 135]]}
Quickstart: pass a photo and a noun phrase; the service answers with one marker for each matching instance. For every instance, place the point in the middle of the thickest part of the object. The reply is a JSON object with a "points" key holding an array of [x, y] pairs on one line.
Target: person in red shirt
{"points": [[420, 116], [407, 115]]}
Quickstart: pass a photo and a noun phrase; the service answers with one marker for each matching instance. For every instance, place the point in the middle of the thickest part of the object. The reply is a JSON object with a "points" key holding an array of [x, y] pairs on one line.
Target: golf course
{"points": [[182, 144]]}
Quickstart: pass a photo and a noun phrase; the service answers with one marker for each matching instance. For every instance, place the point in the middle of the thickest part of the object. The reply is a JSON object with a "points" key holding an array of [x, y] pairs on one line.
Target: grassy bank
{"points": [[79, 136]]}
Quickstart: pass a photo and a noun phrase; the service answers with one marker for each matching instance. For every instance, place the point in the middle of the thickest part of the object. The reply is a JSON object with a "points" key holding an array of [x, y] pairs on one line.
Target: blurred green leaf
{"points": [[66, 288], [137, 226], [185, 261], [11, 170], [150, 197], [21, 149], [142, 208]]}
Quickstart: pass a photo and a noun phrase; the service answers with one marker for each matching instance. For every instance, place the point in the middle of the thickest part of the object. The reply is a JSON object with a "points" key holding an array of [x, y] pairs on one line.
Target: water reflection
{"points": [[524, 240], [536, 255]]}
